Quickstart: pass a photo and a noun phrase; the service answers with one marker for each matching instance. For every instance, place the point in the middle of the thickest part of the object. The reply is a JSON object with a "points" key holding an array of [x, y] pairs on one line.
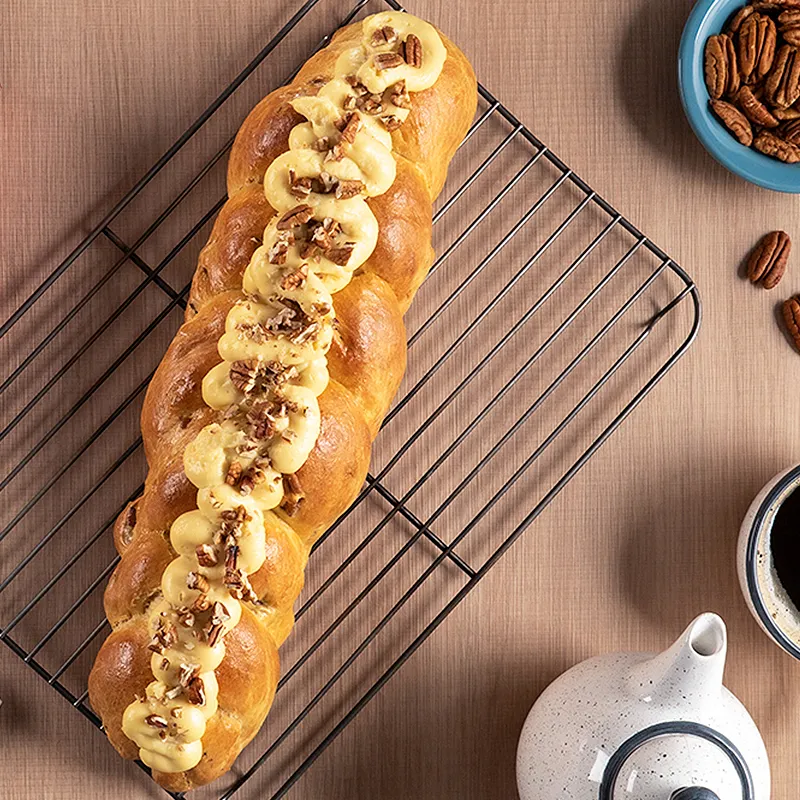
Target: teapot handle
{"points": [[694, 793]]}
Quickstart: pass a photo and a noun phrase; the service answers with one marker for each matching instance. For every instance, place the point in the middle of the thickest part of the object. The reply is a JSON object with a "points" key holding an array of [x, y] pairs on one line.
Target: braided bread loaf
{"points": [[301, 291]]}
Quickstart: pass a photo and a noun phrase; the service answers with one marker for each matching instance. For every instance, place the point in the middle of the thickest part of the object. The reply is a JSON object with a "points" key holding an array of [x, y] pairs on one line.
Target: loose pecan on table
{"points": [[768, 261]]}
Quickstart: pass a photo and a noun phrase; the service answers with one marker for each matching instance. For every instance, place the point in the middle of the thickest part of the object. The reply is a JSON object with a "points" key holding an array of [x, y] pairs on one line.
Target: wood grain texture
{"points": [[644, 537]]}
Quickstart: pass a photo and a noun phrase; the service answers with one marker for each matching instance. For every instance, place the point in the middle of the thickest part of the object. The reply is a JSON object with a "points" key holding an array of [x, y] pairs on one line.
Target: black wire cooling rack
{"points": [[546, 319]]}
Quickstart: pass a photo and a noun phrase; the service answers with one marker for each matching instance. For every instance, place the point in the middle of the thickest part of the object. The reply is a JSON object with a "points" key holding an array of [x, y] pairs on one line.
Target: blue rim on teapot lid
{"points": [[653, 727]]}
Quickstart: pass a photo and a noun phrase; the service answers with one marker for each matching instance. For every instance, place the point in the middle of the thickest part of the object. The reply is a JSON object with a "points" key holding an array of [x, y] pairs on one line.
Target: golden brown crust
{"points": [[366, 364]]}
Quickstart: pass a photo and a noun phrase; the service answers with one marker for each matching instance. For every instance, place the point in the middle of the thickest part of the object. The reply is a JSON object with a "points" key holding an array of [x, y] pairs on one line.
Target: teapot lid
{"points": [[720, 746]]}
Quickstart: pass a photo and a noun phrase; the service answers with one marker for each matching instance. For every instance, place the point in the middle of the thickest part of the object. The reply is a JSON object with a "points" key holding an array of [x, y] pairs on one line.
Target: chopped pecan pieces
{"points": [[280, 248], [299, 187], [292, 495], [156, 721], [244, 374], [165, 636], [206, 555], [399, 96], [341, 255], [767, 262], [234, 473], [195, 692], [412, 51], [370, 104], [185, 617], [202, 602], [324, 234], [347, 189], [254, 475], [383, 36], [391, 122], [351, 128], [295, 279], [186, 672], [196, 580], [298, 215]]}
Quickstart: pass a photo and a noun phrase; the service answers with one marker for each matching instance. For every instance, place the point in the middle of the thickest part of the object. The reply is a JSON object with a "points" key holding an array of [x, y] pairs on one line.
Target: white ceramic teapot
{"points": [[645, 727]]}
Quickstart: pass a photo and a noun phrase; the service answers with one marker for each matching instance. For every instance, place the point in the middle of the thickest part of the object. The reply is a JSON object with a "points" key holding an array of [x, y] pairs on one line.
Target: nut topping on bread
{"points": [[258, 423]]}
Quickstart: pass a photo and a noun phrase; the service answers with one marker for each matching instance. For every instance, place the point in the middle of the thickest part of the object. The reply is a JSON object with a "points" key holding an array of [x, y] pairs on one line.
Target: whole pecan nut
{"points": [[791, 316], [758, 36], [734, 121], [790, 131], [785, 114], [783, 82], [771, 145], [738, 18], [754, 109], [767, 262]]}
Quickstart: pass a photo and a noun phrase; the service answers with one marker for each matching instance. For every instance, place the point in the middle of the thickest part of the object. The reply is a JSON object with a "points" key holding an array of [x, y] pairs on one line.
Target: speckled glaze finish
{"points": [[583, 718], [766, 598]]}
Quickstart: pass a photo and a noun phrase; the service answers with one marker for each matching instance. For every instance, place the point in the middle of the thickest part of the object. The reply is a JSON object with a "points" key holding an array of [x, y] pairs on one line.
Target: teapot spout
{"points": [[690, 671]]}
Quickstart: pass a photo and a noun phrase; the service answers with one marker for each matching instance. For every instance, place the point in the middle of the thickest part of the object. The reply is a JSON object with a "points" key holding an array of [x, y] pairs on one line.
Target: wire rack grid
{"points": [[545, 321]]}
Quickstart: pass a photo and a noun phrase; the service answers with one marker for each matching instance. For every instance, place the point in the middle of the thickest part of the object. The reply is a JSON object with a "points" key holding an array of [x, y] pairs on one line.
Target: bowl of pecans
{"points": [[739, 80]]}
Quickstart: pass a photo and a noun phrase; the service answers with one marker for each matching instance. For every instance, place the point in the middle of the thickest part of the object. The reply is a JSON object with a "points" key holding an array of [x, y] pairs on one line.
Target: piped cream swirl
{"points": [[273, 369]]}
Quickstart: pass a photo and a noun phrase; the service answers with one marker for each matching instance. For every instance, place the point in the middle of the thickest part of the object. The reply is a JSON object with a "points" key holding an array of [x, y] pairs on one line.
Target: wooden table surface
{"points": [[93, 92]]}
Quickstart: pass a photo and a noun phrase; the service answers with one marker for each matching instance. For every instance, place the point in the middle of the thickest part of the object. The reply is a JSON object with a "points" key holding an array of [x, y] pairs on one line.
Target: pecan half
{"points": [[757, 39], [767, 262], [720, 66], [387, 61], [791, 34], [298, 215], [791, 317], [783, 82], [785, 114], [734, 121], [771, 145], [754, 109], [738, 18], [790, 131], [412, 51]]}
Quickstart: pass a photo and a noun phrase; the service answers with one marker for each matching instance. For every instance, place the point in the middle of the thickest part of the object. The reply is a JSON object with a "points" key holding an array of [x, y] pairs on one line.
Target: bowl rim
{"points": [[776, 175], [751, 573]]}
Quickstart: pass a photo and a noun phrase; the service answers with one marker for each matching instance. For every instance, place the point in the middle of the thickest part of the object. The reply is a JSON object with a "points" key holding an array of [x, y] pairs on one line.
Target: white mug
{"points": [[766, 598]]}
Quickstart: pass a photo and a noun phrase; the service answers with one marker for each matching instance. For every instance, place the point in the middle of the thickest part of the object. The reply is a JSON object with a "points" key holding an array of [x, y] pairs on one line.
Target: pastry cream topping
{"points": [[273, 370]]}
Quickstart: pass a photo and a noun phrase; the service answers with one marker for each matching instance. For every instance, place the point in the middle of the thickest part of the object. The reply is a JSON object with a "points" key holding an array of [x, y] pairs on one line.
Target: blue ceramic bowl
{"points": [[707, 18]]}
